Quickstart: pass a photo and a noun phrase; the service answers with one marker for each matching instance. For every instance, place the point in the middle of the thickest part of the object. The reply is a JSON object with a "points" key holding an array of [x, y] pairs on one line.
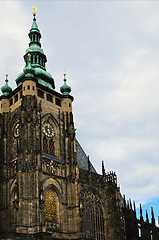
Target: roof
{"points": [[82, 158]]}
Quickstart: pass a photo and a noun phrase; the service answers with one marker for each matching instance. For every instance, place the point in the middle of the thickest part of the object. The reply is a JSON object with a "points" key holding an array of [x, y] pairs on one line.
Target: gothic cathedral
{"points": [[49, 189]]}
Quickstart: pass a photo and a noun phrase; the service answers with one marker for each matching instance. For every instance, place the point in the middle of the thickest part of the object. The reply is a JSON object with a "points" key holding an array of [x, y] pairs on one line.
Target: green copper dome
{"points": [[65, 89], [6, 90], [37, 60]]}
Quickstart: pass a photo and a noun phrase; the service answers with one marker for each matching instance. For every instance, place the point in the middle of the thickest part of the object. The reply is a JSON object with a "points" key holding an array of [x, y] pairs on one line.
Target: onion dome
{"points": [[6, 90], [65, 89], [38, 59]]}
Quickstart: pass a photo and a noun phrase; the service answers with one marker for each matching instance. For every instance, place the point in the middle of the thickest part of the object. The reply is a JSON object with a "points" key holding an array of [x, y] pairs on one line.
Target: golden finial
{"points": [[64, 72], [29, 55], [35, 10], [6, 75]]}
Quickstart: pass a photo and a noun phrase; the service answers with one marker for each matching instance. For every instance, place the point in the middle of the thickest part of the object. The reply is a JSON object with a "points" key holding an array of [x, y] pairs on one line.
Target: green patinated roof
{"points": [[35, 48], [34, 26], [65, 89], [37, 60], [6, 90]]}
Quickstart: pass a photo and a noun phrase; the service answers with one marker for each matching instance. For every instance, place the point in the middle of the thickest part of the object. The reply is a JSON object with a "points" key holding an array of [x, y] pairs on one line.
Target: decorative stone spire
{"points": [[152, 215], [38, 58], [134, 207], [147, 217], [124, 200], [65, 89], [103, 169], [141, 217], [6, 90]]}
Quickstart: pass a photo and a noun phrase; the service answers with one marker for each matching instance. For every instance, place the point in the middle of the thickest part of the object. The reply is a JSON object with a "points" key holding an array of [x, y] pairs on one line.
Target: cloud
{"points": [[13, 39]]}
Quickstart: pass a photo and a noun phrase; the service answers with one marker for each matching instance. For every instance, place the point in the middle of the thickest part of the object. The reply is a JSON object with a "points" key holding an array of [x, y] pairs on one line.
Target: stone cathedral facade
{"points": [[48, 187]]}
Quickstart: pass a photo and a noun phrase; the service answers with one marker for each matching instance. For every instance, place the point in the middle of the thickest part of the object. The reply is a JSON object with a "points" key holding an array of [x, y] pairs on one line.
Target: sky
{"points": [[110, 50]]}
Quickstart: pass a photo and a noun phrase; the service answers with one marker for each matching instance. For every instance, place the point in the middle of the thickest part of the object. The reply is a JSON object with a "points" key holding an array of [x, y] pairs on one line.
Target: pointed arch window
{"points": [[93, 216], [51, 210], [48, 146], [51, 206], [49, 138]]}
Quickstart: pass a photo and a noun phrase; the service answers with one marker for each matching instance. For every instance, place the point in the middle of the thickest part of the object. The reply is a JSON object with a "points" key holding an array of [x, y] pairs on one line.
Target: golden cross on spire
{"points": [[35, 10]]}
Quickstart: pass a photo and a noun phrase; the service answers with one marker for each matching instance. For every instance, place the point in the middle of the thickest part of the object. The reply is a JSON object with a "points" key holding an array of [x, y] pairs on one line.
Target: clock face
{"points": [[48, 130], [16, 130]]}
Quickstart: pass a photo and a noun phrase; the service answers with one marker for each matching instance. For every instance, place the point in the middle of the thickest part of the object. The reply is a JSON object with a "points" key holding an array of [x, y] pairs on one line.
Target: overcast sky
{"points": [[111, 52]]}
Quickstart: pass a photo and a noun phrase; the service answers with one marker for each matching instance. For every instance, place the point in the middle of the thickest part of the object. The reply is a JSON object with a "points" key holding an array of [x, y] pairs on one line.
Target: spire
{"points": [[124, 200], [6, 90], [152, 215], [38, 58], [130, 203], [134, 207], [141, 217], [65, 89], [103, 169], [147, 217], [34, 34]]}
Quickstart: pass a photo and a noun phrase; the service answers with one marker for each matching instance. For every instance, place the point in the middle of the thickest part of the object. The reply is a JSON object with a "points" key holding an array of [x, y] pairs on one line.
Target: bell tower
{"points": [[38, 161]]}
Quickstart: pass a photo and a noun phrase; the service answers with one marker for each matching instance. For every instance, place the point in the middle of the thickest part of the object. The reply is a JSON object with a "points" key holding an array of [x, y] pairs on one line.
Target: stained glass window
{"points": [[51, 206]]}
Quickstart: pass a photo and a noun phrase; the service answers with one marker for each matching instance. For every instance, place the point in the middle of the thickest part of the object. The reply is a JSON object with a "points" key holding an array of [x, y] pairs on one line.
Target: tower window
{"points": [[16, 98], [11, 102], [49, 98], [40, 93], [33, 88], [48, 146], [28, 87], [58, 102]]}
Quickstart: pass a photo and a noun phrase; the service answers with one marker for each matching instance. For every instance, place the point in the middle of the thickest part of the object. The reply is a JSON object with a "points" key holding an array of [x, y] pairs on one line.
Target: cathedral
{"points": [[49, 188]]}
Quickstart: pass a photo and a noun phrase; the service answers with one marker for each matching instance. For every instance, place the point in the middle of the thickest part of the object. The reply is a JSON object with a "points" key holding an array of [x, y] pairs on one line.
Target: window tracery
{"points": [[51, 147], [51, 205], [93, 215], [48, 138]]}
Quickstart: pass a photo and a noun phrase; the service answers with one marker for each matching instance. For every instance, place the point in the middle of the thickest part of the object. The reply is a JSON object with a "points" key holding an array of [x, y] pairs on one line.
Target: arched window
{"points": [[51, 206], [48, 146], [93, 216], [52, 210], [49, 138]]}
